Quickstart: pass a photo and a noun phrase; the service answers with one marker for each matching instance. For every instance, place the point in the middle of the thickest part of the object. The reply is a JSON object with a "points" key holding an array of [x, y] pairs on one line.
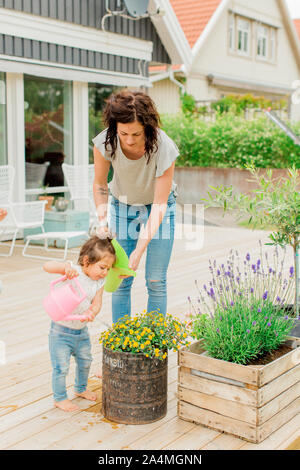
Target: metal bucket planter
{"points": [[134, 387]]}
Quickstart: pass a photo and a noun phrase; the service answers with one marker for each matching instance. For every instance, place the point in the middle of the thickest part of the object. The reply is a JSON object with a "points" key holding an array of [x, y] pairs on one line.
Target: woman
{"points": [[143, 192]]}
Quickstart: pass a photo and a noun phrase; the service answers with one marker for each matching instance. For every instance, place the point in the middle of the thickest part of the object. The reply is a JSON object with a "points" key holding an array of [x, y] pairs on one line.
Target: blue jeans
{"points": [[126, 222], [63, 343]]}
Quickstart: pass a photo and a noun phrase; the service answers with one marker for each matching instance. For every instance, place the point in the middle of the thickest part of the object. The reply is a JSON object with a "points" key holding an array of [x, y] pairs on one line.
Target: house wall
{"points": [[215, 57], [90, 13], [166, 96]]}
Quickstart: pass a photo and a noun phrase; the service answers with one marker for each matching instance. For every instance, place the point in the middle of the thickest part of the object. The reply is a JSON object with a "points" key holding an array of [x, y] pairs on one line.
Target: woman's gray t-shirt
{"points": [[134, 180]]}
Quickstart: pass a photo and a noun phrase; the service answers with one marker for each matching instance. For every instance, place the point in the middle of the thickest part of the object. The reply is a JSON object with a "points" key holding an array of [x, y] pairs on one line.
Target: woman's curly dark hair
{"points": [[129, 106]]}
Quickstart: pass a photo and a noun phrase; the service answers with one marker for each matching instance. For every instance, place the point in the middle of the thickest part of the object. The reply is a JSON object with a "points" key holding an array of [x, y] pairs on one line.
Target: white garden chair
{"points": [[80, 179], [21, 215]]}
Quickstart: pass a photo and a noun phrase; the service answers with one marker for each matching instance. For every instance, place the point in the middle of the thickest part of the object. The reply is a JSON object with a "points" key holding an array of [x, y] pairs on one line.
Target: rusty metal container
{"points": [[134, 387]]}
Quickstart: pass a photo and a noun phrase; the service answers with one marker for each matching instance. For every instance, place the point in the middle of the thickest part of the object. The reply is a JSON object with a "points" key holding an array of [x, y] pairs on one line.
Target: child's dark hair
{"points": [[95, 248]]}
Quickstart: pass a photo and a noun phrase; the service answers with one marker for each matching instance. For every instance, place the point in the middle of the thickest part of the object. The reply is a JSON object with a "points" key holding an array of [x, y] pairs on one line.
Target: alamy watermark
{"points": [[167, 221]]}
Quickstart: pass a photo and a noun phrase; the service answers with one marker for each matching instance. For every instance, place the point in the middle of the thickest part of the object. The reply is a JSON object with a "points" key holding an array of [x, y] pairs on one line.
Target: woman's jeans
{"points": [[63, 343], [125, 221]]}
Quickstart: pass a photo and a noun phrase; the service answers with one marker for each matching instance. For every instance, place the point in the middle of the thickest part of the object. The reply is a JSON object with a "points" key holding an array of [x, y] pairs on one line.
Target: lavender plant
{"points": [[275, 202], [239, 314]]}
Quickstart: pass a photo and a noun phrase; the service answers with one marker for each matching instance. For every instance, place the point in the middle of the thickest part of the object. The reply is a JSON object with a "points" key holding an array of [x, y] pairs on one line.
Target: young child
{"points": [[68, 338]]}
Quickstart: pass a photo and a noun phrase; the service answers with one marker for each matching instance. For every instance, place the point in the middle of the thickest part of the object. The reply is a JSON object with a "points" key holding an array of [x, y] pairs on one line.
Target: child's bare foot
{"points": [[66, 405], [99, 374], [88, 395]]}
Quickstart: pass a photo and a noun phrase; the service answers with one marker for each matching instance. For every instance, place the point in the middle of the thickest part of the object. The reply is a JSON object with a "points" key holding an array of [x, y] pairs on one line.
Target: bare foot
{"points": [[88, 395], [66, 405], [99, 374]]}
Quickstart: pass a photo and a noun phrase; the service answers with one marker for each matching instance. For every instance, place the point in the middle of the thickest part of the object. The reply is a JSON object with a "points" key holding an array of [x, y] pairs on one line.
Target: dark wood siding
{"points": [[90, 13], [38, 50]]}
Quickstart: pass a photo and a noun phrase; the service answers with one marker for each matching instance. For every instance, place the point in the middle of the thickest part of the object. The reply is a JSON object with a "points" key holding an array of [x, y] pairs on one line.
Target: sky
{"points": [[294, 6]]}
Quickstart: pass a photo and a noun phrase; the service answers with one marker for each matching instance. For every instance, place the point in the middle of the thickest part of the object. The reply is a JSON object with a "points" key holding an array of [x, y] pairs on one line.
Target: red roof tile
{"points": [[297, 25], [193, 16]]}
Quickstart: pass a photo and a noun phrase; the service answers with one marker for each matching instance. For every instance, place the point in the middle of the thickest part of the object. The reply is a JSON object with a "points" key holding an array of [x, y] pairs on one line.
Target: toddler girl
{"points": [[69, 338]]}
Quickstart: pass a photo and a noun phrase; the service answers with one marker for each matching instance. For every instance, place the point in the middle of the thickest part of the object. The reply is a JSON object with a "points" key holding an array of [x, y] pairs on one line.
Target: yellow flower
{"points": [[138, 337], [162, 332], [142, 346], [131, 332], [164, 342]]}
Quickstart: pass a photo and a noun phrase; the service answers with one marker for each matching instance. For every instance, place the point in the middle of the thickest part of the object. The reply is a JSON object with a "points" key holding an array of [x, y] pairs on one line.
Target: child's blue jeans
{"points": [[125, 221], [63, 343]]}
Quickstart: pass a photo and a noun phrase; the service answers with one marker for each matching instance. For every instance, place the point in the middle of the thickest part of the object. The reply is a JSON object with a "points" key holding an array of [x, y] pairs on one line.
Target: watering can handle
{"points": [[64, 278]]}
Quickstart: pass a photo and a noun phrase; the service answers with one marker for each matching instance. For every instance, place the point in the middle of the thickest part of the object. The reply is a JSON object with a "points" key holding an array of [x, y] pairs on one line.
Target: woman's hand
{"points": [[134, 259]]}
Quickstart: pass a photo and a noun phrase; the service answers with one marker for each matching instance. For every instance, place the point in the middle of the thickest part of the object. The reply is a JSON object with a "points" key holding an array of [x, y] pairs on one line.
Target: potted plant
{"points": [[46, 197], [275, 203], [135, 360], [242, 376]]}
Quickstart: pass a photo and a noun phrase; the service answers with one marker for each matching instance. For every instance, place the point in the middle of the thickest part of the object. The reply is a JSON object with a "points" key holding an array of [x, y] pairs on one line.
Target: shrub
{"points": [[231, 142]]}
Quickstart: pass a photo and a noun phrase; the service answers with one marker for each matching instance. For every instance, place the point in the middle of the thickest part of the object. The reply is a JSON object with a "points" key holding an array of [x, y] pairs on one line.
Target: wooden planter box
{"points": [[250, 402]]}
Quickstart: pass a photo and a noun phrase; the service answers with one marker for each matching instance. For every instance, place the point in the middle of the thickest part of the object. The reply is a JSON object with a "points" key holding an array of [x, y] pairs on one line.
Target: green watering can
{"points": [[120, 268]]}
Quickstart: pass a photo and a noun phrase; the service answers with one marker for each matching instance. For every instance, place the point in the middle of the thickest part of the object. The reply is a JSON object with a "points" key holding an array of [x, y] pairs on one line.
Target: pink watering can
{"points": [[62, 300]]}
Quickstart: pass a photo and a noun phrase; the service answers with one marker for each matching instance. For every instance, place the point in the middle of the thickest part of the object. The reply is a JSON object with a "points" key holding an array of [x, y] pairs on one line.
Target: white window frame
{"points": [[245, 32], [262, 42], [273, 45], [231, 33]]}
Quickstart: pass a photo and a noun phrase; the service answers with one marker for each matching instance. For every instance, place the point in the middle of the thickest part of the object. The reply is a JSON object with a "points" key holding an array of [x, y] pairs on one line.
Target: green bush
{"points": [[231, 142]]}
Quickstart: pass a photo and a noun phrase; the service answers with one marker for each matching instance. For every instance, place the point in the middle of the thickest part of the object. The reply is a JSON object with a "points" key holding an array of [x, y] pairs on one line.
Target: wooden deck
{"points": [[28, 419]]}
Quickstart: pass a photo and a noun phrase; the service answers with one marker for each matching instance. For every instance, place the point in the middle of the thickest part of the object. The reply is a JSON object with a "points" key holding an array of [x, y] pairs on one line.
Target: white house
{"points": [[237, 46]]}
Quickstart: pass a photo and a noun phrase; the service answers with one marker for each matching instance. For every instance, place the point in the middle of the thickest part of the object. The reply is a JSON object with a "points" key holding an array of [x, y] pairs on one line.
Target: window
{"points": [[266, 43], [262, 41], [3, 141], [97, 96], [48, 130], [243, 33]]}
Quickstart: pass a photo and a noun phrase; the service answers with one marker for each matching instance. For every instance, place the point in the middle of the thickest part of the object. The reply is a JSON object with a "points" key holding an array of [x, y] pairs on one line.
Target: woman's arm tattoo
{"points": [[103, 190]]}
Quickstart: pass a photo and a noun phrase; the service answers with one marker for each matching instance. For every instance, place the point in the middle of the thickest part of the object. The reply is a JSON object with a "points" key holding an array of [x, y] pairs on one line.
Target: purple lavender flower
{"points": [[259, 310], [232, 303], [253, 323], [265, 295], [253, 268], [258, 263], [204, 287], [278, 299], [248, 257], [269, 324], [291, 271], [218, 272], [248, 331], [218, 331], [189, 299], [286, 317], [270, 270], [251, 290]]}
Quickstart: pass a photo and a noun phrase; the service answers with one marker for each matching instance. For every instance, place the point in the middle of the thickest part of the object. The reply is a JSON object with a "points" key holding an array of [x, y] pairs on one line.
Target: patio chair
{"points": [[80, 179], [21, 215]]}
